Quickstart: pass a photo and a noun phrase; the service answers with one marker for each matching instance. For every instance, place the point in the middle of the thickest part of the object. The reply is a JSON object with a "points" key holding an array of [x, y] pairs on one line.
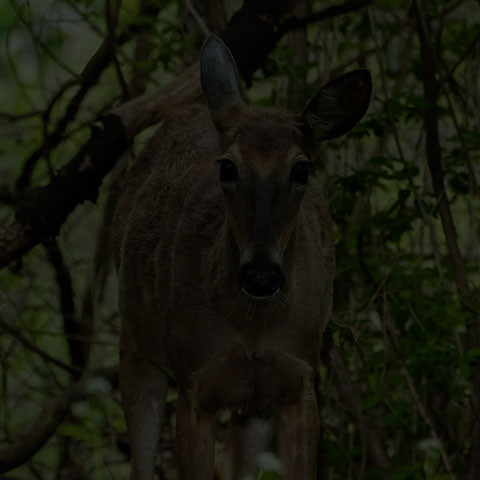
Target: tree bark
{"points": [[434, 158]]}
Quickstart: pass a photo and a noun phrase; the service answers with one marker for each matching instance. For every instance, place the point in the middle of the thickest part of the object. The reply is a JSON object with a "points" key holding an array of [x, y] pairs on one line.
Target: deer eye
{"points": [[299, 173], [228, 170]]}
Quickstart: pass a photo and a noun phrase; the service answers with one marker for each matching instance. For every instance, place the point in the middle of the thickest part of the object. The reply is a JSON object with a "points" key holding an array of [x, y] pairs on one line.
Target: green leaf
{"points": [[269, 475], [370, 402]]}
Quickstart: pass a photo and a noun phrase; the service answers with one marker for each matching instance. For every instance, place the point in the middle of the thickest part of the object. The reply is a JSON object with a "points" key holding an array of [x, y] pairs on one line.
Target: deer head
{"points": [[266, 161]]}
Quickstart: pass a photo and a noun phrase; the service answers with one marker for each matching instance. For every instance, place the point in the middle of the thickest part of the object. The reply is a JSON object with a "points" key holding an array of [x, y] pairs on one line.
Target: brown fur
{"points": [[178, 265], [225, 258]]}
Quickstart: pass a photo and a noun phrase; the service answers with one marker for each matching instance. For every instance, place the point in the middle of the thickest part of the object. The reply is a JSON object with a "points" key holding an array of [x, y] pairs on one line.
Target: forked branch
{"points": [[42, 211], [23, 448]]}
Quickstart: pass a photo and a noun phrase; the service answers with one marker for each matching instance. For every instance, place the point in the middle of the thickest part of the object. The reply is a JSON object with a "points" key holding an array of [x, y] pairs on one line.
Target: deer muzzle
{"points": [[260, 279]]}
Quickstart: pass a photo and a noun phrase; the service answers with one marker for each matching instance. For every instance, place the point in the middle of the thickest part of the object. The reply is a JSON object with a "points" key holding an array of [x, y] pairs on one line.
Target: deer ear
{"points": [[218, 74], [338, 105]]}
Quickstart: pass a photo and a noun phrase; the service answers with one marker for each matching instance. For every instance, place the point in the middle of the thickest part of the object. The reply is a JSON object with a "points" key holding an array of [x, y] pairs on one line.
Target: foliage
{"points": [[402, 403]]}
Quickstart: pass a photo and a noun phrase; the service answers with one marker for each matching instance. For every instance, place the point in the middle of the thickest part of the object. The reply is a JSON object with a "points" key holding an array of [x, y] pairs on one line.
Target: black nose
{"points": [[261, 280]]}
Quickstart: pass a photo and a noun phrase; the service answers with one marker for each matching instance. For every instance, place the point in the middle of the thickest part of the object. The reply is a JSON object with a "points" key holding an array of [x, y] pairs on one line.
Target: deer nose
{"points": [[261, 280]]}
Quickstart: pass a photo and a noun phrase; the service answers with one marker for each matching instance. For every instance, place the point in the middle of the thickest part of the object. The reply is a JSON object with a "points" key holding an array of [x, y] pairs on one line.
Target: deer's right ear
{"points": [[338, 106], [218, 74]]}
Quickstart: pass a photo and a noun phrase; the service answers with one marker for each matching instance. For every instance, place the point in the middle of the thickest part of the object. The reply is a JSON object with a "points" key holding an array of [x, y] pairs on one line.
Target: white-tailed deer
{"points": [[226, 260]]}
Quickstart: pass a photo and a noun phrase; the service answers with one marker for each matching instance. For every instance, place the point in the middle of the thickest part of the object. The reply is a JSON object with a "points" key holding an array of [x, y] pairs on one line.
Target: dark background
{"points": [[399, 379]]}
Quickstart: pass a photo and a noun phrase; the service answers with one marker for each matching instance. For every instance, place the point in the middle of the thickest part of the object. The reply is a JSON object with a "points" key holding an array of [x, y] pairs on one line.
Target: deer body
{"points": [[225, 283]]}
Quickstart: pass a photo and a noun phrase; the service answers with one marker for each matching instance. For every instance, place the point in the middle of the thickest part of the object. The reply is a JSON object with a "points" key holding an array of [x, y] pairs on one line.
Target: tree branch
{"points": [[42, 211], [78, 334], [254, 31], [422, 408], [350, 396], [27, 343], [22, 449], [88, 78], [330, 12], [434, 158]]}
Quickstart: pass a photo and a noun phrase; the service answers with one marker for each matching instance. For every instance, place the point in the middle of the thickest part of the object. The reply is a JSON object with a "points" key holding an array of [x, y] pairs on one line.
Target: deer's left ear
{"points": [[338, 105], [218, 74]]}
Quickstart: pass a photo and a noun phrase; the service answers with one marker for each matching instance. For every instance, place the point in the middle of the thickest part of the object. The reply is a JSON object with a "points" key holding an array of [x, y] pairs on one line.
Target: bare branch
{"points": [[254, 31], [8, 117], [447, 77], [44, 209], [87, 80], [143, 48], [143, 111], [330, 12], [197, 17], [434, 158], [27, 343], [47, 422], [6, 194], [350, 397], [420, 405], [78, 334]]}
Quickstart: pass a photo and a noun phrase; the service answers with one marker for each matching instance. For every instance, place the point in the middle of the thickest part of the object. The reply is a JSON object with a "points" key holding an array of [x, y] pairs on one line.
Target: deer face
{"points": [[264, 174], [264, 170]]}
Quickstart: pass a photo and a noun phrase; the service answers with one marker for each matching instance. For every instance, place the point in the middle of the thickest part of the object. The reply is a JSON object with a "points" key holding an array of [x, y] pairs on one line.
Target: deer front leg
{"points": [[247, 438], [195, 440], [298, 435], [143, 387]]}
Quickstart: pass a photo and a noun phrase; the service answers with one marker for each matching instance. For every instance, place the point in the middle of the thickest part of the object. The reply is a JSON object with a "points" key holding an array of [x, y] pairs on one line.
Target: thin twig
{"points": [[197, 17], [434, 158], [294, 23], [418, 201], [27, 343], [390, 330], [78, 334], [41, 430], [89, 78]]}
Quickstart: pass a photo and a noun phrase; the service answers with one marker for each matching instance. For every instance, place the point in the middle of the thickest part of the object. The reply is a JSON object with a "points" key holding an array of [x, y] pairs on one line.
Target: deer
{"points": [[223, 243]]}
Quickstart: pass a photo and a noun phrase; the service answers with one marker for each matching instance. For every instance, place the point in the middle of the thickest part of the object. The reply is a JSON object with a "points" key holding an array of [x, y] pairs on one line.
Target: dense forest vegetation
{"points": [[83, 83]]}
